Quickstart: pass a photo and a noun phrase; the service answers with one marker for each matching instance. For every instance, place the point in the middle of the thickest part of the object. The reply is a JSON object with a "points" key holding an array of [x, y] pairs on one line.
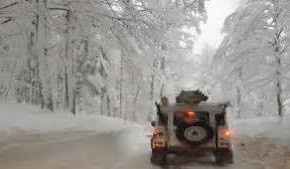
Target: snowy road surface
{"points": [[121, 150], [33, 139]]}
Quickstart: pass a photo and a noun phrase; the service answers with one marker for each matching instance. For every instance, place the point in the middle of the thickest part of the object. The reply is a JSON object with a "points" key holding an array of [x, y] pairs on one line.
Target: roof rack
{"points": [[191, 97]]}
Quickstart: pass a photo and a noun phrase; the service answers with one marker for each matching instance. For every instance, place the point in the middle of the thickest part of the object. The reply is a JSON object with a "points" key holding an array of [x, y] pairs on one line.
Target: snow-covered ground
{"points": [[273, 128], [17, 119], [34, 139]]}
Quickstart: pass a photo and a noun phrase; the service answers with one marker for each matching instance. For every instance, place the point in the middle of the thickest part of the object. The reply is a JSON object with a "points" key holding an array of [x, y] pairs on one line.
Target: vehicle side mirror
{"points": [[153, 123]]}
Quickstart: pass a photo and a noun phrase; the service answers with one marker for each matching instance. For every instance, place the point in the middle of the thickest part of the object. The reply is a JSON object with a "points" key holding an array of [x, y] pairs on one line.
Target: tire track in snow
{"points": [[114, 151]]}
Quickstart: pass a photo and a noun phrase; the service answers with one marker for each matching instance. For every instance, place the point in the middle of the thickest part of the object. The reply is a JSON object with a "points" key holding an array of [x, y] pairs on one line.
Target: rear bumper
{"points": [[189, 150], [196, 151], [184, 151]]}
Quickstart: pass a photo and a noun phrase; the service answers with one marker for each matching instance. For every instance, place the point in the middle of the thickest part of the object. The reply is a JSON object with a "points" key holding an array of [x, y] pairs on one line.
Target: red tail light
{"points": [[160, 142], [225, 133], [191, 114], [190, 117]]}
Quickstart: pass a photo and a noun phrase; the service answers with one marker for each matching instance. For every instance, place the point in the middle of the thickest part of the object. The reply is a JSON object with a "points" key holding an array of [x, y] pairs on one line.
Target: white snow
{"points": [[49, 140], [113, 144], [21, 118], [18, 119], [274, 128]]}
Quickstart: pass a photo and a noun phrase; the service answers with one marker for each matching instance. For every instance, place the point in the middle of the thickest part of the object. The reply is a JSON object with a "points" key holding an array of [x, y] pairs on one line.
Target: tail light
{"points": [[225, 133], [190, 117], [160, 142], [191, 114], [225, 137]]}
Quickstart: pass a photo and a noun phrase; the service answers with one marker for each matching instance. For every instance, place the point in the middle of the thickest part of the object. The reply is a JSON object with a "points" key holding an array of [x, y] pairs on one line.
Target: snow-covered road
{"points": [[89, 150], [33, 139]]}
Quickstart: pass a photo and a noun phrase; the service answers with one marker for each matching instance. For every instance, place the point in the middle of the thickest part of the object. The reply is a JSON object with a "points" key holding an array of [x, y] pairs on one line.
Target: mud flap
{"points": [[159, 157], [223, 156]]}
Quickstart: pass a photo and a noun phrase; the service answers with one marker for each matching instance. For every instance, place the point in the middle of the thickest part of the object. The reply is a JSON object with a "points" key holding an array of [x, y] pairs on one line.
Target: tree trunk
{"points": [[239, 94], [162, 68], [121, 86], [108, 106], [152, 90], [69, 65], [40, 33], [279, 100], [74, 102], [278, 52], [279, 87], [135, 102], [66, 86], [239, 98]]}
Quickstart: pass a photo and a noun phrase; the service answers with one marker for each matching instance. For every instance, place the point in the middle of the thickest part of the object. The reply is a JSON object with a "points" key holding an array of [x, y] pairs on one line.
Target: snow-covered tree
{"points": [[107, 56], [253, 56]]}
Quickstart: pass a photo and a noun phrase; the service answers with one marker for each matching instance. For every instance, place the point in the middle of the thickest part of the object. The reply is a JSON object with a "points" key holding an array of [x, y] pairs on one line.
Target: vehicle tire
{"points": [[194, 134], [223, 156], [158, 157]]}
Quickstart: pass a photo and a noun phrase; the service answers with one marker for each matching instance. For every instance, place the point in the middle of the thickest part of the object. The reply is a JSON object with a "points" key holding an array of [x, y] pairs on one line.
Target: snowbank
{"points": [[20, 118], [82, 141], [273, 128]]}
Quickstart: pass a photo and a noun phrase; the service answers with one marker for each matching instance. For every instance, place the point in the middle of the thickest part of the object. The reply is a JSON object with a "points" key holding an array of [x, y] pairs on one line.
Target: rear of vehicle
{"points": [[192, 129]]}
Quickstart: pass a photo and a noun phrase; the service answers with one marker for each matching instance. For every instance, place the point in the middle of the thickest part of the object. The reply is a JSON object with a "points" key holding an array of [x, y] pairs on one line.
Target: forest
{"points": [[117, 57]]}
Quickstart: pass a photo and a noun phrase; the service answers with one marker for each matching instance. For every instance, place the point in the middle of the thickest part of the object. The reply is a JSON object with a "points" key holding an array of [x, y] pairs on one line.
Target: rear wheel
{"points": [[224, 156], [158, 157]]}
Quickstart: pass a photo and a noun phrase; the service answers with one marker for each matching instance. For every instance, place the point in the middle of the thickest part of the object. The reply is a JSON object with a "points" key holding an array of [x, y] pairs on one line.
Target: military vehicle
{"points": [[191, 126]]}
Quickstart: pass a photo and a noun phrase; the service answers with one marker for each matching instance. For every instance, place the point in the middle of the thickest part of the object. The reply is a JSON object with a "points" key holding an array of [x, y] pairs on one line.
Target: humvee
{"points": [[192, 127]]}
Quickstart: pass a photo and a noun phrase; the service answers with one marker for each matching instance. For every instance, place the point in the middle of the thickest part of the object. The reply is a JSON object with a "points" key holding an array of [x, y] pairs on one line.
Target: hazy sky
{"points": [[217, 10]]}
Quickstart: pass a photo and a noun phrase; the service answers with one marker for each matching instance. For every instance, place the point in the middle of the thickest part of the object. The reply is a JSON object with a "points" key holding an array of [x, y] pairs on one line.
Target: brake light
{"points": [[191, 114], [160, 142], [190, 117], [225, 133]]}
